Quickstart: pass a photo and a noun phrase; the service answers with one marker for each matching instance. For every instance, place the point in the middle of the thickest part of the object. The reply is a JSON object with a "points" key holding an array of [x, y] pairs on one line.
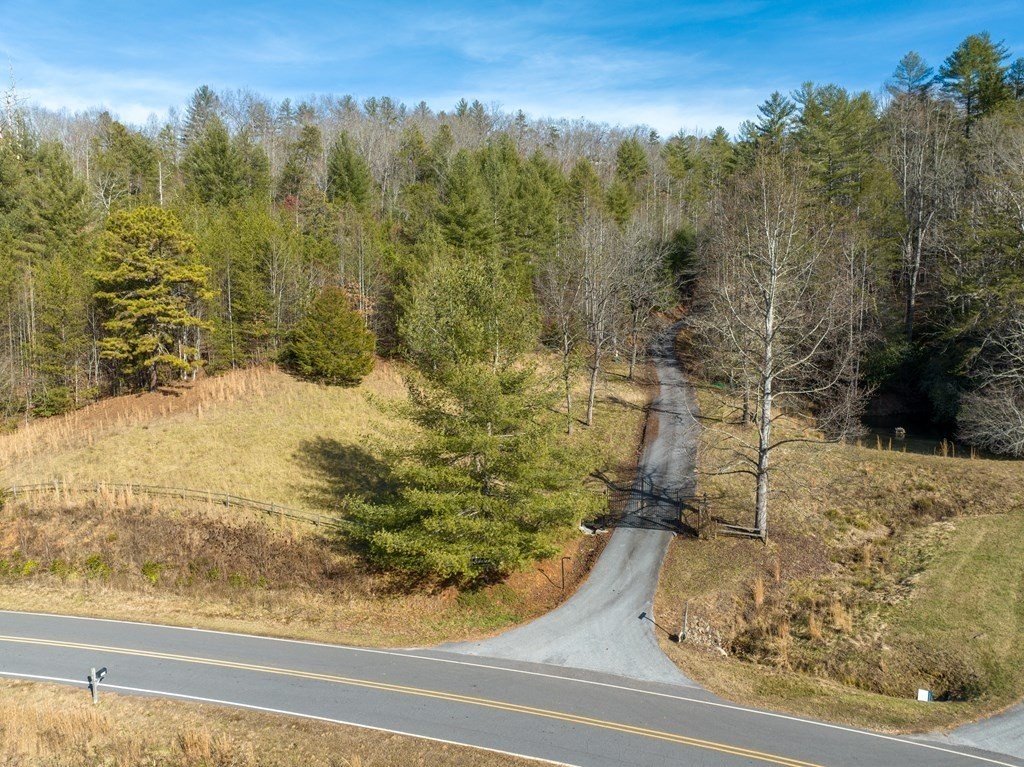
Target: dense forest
{"points": [[888, 232]]}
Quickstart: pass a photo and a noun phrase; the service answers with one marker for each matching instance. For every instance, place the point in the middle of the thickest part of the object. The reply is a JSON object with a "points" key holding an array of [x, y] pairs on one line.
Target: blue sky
{"points": [[672, 66]]}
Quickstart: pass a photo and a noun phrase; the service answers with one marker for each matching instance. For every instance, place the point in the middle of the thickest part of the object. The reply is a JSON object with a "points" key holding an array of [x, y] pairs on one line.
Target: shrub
{"points": [[151, 571], [96, 567], [331, 344]]}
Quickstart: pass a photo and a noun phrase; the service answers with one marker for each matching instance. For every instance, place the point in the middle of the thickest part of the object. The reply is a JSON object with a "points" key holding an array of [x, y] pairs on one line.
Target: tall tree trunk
{"points": [[593, 385], [764, 426], [763, 450], [567, 378]]}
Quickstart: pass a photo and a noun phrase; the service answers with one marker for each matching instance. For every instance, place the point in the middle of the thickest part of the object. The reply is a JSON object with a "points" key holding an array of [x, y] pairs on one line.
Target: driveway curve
{"points": [[605, 626]]}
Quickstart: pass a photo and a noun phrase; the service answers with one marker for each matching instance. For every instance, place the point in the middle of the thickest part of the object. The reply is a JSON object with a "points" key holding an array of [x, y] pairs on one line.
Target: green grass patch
{"points": [[884, 572], [969, 603]]}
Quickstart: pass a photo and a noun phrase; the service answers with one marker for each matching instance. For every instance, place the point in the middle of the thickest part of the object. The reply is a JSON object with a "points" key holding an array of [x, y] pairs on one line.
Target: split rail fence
{"points": [[222, 499]]}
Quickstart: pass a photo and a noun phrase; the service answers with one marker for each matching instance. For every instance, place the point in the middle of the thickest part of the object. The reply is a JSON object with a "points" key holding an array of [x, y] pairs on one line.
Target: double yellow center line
{"points": [[433, 694]]}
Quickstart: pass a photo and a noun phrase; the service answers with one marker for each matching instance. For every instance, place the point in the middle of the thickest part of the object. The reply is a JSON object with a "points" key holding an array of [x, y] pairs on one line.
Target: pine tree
{"points": [[221, 171], [298, 180], [486, 489], [466, 310], [123, 167], [149, 286], [913, 77], [202, 109], [331, 344], [974, 76], [466, 215], [348, 176]]}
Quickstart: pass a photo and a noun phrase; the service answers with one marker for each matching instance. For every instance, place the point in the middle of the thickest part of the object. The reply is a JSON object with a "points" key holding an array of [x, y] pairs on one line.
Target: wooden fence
{"points": [[222, 499]]}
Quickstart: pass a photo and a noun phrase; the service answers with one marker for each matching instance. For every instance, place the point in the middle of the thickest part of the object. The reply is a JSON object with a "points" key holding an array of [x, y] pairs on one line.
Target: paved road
{"points": [[586, 685], [600, 628], [1003, 734], [580, 718]]}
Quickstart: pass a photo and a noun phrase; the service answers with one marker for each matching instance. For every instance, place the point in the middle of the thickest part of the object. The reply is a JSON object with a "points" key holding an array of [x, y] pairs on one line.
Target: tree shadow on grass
{"points": [[339, 472], [336, 473]]}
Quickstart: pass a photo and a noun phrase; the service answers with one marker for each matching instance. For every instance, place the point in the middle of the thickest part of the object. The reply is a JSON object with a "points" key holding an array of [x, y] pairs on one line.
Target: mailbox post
{"points": [[95, 677]]}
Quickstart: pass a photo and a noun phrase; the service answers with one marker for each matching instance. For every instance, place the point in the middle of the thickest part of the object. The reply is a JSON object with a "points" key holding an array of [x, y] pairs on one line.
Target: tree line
{"points": [[840, 244]]}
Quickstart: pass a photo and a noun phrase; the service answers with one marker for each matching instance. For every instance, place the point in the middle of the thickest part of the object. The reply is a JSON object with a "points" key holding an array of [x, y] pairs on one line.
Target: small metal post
{"points": [[94, 683], [686, 622], [563, 571]]}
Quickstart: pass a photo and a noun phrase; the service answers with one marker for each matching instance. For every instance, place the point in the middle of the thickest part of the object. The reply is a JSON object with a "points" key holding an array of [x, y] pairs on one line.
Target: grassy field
{"points": [[49, 726], [264, 435], [257, 433], [885, 572]]}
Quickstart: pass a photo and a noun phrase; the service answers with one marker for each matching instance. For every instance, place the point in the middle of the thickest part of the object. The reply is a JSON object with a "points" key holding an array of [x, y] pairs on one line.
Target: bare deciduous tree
{"points": [[775, 315], [600, 245], [922, 146], [993, 417], [646, 285], [560, 296]]}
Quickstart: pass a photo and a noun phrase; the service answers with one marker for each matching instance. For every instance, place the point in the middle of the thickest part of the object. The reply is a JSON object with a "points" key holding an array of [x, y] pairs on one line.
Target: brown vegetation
{"points": [[48, 726], [855, 590], [195, 565], [260, 434]]}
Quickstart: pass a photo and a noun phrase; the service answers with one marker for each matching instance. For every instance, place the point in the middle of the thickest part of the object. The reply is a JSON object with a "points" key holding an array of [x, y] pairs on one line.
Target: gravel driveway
{"points": [[600, 628]]}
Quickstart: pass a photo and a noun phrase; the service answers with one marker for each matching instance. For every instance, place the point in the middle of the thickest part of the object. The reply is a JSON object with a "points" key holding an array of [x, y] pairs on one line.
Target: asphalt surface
{"points": [[568, 717], [1003, 734], [601, 628], [586, 685]]}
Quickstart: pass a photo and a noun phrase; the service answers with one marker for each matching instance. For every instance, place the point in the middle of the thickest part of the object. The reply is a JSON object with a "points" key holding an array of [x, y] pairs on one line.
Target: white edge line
{"points": [[412, 654], [264, 709], [37, 677]]}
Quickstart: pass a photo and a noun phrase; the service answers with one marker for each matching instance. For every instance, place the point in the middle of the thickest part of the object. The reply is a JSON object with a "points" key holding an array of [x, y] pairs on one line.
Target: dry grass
{"points": [[262, 434], [187, 564], [862, 594], [193, 566], [257, 433], [47, 726]]}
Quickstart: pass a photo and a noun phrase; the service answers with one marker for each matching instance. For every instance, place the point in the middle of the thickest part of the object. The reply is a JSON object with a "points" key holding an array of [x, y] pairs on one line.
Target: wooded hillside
{"points": [[131, 255]]}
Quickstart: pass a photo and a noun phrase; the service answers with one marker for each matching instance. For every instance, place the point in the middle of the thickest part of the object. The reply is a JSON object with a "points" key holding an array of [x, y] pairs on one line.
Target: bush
{"points": [[331, 344]]}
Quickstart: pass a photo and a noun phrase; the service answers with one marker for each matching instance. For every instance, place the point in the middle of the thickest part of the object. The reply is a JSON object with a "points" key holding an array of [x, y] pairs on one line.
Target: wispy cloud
{"points": [[685, 64]]}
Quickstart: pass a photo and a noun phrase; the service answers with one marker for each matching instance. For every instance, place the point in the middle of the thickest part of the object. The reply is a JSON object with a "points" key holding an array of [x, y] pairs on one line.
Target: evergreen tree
{"points": [[466, 215], [466, 310], [331, 344], [202, 109], [631, 167], [837, 137], [298, 177], [348, 176], [61, 341], [771, 131], [236, 244], [484, 490], [532, 219], [220, 171], [149, 287], [1015, 79], [213, 172], [253, 168], [974, 76], [123, 167], [913, 77]]}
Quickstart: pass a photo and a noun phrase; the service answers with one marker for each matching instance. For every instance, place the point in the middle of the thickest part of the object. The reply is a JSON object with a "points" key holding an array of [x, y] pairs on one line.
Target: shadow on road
{"points": [[647, 505]]}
